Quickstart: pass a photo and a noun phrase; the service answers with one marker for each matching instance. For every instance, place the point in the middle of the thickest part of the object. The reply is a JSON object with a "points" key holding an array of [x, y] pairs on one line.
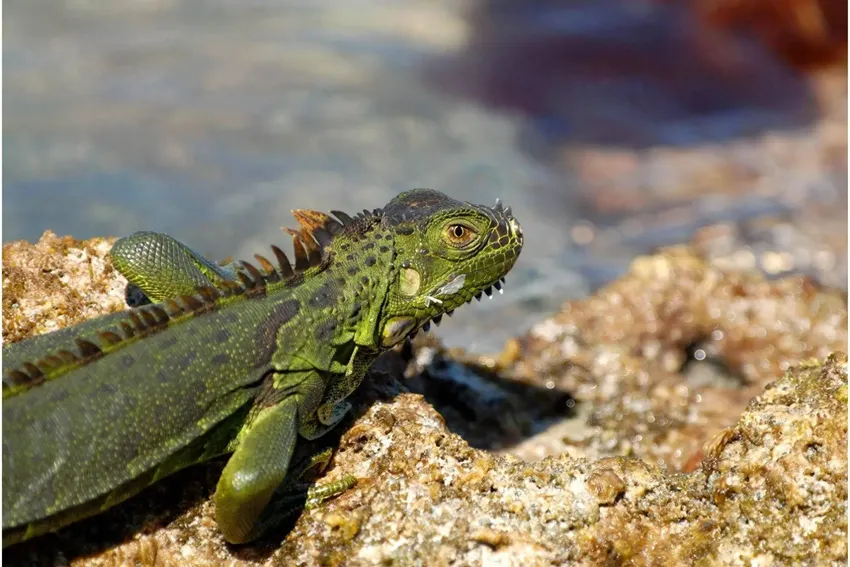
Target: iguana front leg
{"points": [[333, 407], [256, 469], [296, 495], [260, 461]]}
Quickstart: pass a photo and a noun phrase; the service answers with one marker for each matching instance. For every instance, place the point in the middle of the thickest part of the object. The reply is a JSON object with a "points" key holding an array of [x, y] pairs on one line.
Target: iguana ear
{"points": [[396, 330], [409, 281]]}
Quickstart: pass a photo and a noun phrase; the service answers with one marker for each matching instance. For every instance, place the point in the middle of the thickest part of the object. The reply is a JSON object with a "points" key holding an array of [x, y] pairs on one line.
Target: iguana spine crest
{"points": [[310, 246]]}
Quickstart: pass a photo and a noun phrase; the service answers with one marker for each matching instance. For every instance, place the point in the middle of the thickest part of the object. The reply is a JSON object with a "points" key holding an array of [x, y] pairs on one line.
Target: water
{"points": [[210, 121]]}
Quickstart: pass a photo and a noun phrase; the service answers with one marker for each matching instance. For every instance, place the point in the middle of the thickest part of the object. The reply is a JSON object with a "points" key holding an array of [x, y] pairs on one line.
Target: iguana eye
{"points": [[459, 234]]}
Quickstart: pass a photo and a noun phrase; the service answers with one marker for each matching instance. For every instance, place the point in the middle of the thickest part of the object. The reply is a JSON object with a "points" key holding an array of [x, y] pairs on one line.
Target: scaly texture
{"points": [[231, 359]]}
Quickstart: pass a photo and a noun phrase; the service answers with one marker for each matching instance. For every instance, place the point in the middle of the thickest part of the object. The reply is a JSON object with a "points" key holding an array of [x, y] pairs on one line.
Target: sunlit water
{"points": [[211, 120]]}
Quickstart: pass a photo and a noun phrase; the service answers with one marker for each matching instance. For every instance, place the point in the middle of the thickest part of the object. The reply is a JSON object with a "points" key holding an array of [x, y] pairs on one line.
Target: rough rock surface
{"points": [[57, 282], [613, 376], [672, 352]]}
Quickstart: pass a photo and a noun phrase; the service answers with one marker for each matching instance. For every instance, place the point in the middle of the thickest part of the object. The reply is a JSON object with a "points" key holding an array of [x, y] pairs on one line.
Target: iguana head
{"points": [[446, 253]]}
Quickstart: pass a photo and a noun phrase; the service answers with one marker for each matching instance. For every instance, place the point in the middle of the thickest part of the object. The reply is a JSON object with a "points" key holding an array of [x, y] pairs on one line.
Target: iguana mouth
{"points": [[437, 319]]}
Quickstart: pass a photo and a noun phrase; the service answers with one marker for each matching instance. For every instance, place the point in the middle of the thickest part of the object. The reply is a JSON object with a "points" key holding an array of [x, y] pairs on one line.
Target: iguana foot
{"points": [[295, 495], [323, 420], [331, 414], [318, 494]]}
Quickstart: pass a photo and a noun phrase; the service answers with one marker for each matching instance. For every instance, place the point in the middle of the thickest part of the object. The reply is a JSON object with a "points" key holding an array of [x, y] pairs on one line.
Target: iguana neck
{"points": [[343, 301]]}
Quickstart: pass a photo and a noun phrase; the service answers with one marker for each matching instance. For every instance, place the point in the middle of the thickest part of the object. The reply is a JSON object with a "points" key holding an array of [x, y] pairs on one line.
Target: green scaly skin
{"points": [[232, 360]]}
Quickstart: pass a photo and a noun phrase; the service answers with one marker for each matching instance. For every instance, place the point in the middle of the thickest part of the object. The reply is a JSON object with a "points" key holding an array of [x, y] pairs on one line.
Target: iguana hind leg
{"points": [[163, 268], [262, 454]]}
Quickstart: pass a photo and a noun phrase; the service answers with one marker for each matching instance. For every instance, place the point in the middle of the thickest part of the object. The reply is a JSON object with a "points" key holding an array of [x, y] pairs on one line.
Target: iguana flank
{"points": [[234, 359]]}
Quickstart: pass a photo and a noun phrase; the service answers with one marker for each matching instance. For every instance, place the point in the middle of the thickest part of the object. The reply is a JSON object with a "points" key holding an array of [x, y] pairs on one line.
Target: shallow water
{"points": [[210, 121]]}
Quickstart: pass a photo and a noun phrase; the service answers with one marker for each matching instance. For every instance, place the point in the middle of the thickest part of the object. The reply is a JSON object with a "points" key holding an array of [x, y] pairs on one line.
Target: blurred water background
{"points": [[611, 126]]}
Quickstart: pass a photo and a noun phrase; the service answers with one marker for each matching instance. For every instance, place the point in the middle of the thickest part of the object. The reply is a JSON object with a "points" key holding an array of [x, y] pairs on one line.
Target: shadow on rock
{"points": [[484, 406]]}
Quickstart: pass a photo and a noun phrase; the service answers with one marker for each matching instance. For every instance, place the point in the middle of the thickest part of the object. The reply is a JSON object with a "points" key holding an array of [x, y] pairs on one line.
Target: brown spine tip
{"points": [[246, 280], [18, 378], [68, 356], [267, 266], [208, 294], [34, 371], [149, 319], [161, 315], [284, 265], [88, 349], [174, 309], [211, 294], [311, 246], [315, 258], [138, 325], [128, 330], [192, 303], [109, 337], [256, 275], [343, 217], [302, 262], [231, 287], [311, 221]]}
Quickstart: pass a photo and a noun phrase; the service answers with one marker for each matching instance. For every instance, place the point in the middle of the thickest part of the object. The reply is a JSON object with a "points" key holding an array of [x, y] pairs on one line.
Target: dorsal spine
{"points": [[311, 246]]}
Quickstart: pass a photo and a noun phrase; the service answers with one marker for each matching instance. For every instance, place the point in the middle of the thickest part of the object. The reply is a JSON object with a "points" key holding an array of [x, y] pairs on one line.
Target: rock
{"points": [[672, 352], [806, 33], [780, 474], [57, 282], [770, 486]]}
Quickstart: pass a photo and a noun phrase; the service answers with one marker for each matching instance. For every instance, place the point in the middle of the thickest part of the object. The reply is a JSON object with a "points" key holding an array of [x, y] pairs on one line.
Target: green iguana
{"points": [[234, 359]]}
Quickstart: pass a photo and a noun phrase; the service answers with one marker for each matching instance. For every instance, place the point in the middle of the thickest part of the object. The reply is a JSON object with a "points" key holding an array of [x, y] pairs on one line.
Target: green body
{"points": [[231, 360]]}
